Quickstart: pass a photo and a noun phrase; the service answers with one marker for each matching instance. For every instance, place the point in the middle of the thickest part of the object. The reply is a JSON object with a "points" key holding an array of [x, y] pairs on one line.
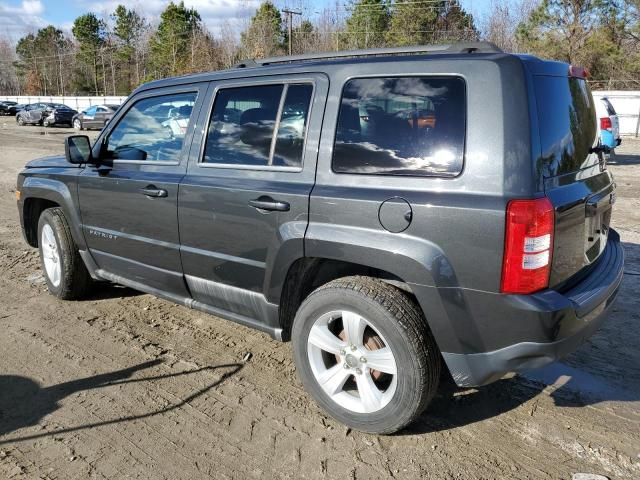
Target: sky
{"points": [[19, 17]]}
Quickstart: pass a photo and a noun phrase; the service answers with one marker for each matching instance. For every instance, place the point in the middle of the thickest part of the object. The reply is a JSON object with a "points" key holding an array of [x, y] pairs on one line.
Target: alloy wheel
{"points": [[51, 255], [352, 362]]}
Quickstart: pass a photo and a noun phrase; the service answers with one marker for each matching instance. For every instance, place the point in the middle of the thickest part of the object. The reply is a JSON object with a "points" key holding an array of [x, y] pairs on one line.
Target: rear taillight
{"points": [[605, 123], [578, 72], [528, 246]]}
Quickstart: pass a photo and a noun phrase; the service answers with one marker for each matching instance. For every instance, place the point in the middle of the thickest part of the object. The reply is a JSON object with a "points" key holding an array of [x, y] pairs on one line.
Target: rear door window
{"points": [[401, 126], [262, 125]]}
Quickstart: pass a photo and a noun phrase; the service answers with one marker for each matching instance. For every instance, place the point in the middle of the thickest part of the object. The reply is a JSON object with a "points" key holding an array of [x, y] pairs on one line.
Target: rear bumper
{"points": [[545, 326]]}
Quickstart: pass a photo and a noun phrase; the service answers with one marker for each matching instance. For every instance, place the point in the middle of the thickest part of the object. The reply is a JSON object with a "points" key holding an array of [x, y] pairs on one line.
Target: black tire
{"points": [[20, 121], [46, 124], [75, 280], [400, 321], [77, 124]]}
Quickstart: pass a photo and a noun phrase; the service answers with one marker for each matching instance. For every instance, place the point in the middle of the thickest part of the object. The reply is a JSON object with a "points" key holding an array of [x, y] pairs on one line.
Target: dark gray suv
{"points": [[394, 213]]}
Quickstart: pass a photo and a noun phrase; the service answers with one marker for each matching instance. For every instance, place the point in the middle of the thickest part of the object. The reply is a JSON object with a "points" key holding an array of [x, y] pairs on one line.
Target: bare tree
{"points": [[500, 23], [8, 78]]}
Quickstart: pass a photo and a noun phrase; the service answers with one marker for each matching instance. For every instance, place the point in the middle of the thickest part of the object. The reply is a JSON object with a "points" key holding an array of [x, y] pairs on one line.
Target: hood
{"points": [[50, 161]]}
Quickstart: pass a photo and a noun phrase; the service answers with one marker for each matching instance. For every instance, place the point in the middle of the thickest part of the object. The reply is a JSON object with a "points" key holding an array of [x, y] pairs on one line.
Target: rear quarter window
{"points": [[411, 126]]}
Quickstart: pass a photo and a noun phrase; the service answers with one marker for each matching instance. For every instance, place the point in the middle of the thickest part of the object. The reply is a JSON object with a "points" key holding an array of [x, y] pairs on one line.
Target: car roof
{"points": [[324, 62]]}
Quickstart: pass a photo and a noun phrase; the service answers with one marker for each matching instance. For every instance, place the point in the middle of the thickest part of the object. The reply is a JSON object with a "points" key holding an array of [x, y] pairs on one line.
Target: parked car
{"points": [[96, 116], [14, 109], [426, 236], [47, 114], [176, 124], [5, 106], [609, 123]]}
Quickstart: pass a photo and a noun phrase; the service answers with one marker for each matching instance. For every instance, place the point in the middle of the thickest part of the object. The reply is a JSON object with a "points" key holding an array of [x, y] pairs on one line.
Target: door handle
{"points": [[153, 192], [268, 203]]}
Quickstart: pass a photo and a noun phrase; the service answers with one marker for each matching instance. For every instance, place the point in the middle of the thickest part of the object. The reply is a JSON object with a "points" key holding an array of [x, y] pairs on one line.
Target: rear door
{"points": [[244, 202], [575, 177], [130, 211]]}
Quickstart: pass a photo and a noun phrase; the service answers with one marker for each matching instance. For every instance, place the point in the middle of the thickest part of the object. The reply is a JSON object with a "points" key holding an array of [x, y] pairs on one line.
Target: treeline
{"points": [[112, 55]]}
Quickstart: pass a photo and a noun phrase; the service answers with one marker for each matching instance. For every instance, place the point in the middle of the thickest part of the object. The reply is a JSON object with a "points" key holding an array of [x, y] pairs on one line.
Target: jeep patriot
{"points": [[394, 213]]}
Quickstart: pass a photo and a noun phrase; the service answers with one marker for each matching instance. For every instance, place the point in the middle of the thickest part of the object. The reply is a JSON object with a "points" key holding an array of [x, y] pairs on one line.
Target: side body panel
{"points": [[57, 184]]}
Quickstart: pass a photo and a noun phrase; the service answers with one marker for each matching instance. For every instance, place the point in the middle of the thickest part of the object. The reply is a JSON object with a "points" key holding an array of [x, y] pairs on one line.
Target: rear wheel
{"points": [[46, 123], [364, 352], [64, 271]]}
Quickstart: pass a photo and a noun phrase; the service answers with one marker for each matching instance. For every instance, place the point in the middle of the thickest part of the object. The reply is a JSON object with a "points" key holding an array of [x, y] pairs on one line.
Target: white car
{"points": [[178, 121], [608, 122]]}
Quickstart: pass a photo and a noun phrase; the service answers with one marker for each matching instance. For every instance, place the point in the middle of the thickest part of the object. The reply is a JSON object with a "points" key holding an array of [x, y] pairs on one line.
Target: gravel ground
{"points": [[124, 385]]}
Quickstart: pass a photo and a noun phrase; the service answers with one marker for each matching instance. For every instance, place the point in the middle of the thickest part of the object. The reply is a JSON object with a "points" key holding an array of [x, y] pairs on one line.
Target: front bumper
{"points": [[544, 327]]}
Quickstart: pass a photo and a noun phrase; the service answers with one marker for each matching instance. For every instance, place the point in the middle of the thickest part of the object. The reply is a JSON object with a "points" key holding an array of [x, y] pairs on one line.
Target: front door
{"points": [[245, 198], [129, 211]]}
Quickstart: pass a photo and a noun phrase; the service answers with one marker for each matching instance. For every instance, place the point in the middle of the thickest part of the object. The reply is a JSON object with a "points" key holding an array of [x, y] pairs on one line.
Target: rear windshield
{"points": [[567, 123], [610, 110]]}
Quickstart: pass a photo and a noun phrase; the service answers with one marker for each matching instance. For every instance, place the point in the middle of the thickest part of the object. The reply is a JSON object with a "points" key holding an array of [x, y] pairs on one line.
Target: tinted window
{"points": [[610, 110], [567, 123], [243, 122], [145, 132], [401, 126], [292, 127]]}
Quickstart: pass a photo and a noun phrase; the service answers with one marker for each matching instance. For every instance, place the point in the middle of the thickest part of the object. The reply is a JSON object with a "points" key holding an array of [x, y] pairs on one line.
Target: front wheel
{"points": [[364, 352], [20, 121], [64, 271], [77, 124], [46, 123]]}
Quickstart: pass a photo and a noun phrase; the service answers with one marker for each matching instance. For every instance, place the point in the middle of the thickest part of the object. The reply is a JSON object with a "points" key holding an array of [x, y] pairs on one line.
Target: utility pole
{"points": [[290, 14]]}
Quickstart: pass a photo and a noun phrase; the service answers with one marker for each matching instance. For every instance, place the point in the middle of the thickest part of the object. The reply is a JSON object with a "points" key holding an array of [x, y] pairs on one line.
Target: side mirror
{"points": [[77, 149]]}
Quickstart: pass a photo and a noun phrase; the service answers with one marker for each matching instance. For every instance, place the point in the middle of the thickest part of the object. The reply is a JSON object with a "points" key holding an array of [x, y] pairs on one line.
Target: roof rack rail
{"points": [[462, 47]]}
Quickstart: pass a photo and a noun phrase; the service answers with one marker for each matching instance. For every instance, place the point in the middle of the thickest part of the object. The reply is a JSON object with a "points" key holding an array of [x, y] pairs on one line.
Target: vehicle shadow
{"points": [[107, 290], [456, 407], [624, 159], [23, 402]]}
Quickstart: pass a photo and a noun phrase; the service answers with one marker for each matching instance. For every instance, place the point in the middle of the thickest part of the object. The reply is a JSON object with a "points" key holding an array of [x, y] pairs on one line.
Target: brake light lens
{"points": [[605, 123], [528, 245], [578, 72]]}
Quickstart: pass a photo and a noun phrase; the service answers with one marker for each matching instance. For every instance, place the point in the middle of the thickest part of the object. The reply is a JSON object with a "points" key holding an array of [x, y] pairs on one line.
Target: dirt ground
{"points": [[125, 385]]}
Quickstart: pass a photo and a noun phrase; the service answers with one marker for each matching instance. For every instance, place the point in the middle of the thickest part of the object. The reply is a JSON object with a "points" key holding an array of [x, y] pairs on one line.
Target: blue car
{"points": [[609, 123]]}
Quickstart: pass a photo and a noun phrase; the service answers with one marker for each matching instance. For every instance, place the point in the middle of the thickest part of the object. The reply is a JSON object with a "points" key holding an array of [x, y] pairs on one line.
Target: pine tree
{"points": [[90, 34], [128, 29], [368, 23], [265, 36], [170, 45]]}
